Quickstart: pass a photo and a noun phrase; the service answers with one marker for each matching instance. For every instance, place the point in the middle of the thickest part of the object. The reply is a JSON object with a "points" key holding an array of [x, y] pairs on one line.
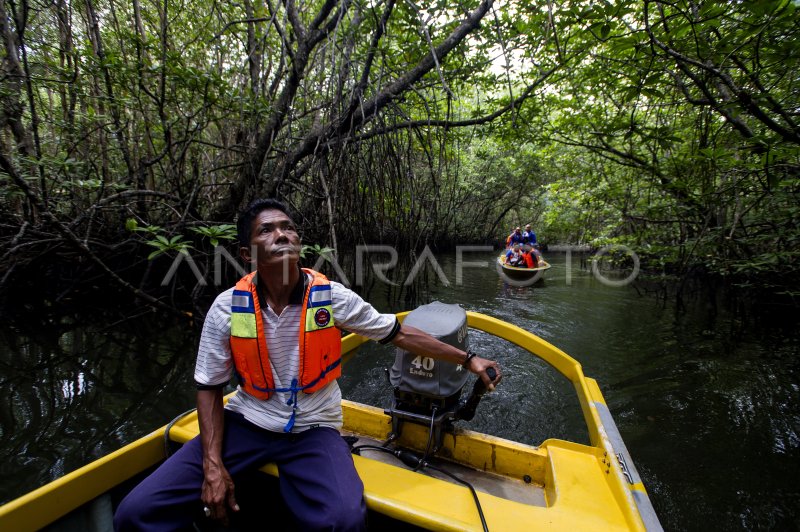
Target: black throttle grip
{"points": [[480, 388], [466, 409]]}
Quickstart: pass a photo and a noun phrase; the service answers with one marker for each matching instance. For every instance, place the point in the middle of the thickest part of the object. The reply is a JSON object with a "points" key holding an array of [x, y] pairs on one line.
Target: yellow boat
{"points": [[559, 485]]}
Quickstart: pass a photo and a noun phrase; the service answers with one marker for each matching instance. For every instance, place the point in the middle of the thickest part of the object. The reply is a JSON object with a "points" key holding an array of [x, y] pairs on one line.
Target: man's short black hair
{"points": [[244, 224]]}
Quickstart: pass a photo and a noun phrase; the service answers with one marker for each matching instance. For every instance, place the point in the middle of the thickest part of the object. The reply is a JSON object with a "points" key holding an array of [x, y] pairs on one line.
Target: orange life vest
{"points": [[319, 340], [530, 259]]}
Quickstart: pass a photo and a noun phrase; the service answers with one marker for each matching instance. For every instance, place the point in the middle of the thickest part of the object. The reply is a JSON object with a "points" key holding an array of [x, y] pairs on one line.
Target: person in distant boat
{"points": [[528, 236], [531, 259], [278, 332], [515, 257], [514, 238], [509, 254], [537, 255]]}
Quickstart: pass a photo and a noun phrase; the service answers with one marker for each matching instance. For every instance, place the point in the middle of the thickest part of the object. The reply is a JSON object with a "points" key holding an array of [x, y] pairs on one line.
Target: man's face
{"points": [[274, 239]]}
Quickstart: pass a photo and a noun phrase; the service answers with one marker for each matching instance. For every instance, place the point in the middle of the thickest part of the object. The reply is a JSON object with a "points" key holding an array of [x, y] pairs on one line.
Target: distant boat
{"points": [[501, 484], [524, 275]]}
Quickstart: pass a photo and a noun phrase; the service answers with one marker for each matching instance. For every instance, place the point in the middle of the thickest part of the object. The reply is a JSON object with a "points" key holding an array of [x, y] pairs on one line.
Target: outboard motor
{"points": [[428, 391]]}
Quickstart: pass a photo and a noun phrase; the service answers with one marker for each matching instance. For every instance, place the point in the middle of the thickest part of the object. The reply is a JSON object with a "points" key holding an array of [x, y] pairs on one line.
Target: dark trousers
{"points": [[318, 481]]}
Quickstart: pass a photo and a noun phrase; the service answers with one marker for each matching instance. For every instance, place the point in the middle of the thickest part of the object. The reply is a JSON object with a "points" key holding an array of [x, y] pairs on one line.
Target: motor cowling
{"points": [[422, 382]]}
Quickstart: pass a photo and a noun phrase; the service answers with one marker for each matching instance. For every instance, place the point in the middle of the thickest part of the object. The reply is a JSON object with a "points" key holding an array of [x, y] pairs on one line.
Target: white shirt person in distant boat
{"points": [[515, 257]]}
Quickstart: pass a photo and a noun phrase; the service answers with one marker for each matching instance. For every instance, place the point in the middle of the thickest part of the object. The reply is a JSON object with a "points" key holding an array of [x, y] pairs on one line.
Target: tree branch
{"points": [[363, 113], [8, 167], [513, 104]]}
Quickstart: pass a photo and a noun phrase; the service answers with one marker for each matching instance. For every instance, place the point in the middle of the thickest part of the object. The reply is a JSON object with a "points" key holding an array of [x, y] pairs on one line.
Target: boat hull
{"points": [[523, 275]]}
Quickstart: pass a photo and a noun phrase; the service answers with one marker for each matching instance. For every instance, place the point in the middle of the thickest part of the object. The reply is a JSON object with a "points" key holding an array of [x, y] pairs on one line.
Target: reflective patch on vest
{"points": [[242, 301], [319, 296], [243, 325], [319, 318]]}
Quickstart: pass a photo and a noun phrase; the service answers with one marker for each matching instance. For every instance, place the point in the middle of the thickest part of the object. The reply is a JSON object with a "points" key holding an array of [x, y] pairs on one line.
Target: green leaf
{"points": [[652, 93], [217, 232], [631, 94], [152, 229], [316, 249]]}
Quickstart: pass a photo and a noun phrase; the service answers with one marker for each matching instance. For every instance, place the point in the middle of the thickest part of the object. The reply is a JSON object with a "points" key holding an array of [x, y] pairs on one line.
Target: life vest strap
{"points": [[293, 389]]}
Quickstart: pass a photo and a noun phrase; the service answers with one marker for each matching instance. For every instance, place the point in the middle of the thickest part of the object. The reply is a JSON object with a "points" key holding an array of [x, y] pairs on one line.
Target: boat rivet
{"points": [[527, 479]]}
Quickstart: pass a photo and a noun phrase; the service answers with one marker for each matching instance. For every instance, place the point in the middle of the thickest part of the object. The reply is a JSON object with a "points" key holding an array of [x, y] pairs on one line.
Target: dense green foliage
{"points": [[131, 132], [678, 136]]}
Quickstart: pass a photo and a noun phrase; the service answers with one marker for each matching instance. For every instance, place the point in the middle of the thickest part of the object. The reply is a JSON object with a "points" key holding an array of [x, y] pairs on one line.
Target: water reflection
{"points": [[76, 392]]}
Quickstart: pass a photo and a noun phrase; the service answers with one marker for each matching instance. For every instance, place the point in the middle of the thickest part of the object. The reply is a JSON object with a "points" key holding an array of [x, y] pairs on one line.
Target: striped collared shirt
{"points": [[322, 408]]}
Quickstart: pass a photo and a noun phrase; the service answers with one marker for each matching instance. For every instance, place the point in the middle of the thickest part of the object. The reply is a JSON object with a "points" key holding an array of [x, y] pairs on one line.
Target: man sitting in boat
{"points": [[531, 258], [278, 331], [515, 257], [528, 236], [514, 238]]}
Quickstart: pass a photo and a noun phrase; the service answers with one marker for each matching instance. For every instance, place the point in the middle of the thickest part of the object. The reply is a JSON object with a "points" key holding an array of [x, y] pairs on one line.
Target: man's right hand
{"points": [[218, 493], [478, 366]]}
